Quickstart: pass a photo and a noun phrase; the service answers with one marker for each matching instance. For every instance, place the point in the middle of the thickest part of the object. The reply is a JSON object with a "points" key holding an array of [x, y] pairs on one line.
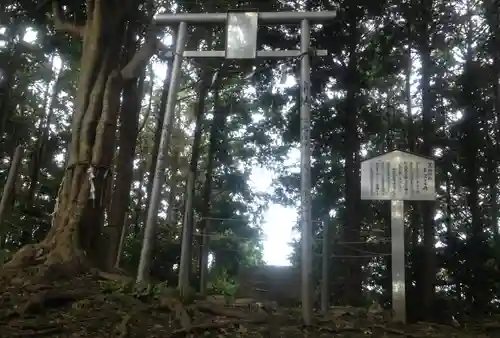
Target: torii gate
{"points": [[241, 43]]}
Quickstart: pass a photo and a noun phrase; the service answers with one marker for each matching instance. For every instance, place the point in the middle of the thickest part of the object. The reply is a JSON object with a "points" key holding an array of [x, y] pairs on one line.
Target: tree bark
{"points": [[173, 179], [424, 46], [472, 142], [6, 104], [185, 266], [8, 189], [494, 24], [38, 153], [128, 130], [139, 198], [160, 117], [218, 124], [122, 242], [75, 237], [352, 144], [38, 157]]}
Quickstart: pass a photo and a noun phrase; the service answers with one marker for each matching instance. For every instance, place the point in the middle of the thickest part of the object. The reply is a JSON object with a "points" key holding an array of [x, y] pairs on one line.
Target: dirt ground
{"points": [[100, 305]]}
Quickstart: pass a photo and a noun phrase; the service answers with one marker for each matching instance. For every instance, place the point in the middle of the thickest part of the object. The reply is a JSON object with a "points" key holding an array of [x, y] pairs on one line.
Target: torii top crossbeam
{"points": [[265, 17]]}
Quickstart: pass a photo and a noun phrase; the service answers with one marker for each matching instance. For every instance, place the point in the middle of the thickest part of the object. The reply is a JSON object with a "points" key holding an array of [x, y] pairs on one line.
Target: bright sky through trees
{"points": [[278, 222]]}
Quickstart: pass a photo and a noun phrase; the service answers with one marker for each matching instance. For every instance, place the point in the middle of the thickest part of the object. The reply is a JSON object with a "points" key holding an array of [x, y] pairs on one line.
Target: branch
{"points": [[61, 25], [140, 58]]}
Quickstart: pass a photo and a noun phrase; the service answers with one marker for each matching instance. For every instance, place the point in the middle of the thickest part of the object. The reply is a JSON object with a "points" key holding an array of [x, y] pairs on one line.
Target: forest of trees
{"points": [[82, 96]]}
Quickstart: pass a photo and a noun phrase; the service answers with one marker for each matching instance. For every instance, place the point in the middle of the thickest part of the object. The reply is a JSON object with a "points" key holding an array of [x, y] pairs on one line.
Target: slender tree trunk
{"points": [[472, 142], [411, 139], [495, 28], [128, 129], [173, 180], [38, 157], [411, 142], [150, 101], [449, 212], [191, 179], [160, 117], [8, 189], [492, 179], [429, 273], [140, 197], [6, 107], [352, 147], [122, 242], [216, 131]]}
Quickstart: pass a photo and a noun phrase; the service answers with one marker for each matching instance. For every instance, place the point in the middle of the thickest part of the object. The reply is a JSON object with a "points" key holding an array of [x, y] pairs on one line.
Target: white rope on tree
{"points": [[56, 205], [91, 173]]}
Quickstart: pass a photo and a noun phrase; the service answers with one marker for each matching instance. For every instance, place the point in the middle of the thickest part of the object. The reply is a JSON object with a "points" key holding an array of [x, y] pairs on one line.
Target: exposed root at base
{"points": [[38, 333], [215, 325], [51, 298], [171, 305], [29, 255], [48, 264], [111, 276], [122, 329], [181, 315]]}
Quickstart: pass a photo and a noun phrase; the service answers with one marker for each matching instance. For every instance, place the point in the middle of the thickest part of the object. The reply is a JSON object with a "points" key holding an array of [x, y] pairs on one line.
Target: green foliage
{"points": [[377, 50], [146, 291], [221, 283]]}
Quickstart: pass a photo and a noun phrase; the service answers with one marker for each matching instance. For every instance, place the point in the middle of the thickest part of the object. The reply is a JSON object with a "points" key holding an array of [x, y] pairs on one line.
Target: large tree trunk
{"points": [[75, 238], [216, 130], [352, 219], [185, 268], [424, 46], [128, 130], [472, 143], [129, 126]]}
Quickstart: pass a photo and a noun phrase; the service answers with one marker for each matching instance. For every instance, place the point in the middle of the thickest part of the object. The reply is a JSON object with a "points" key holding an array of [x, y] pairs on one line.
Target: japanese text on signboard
{"points": [[402, 179]]}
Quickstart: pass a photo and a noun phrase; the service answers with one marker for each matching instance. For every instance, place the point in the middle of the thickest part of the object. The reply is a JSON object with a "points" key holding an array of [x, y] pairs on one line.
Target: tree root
{"points": [[225, 312], [111, 276], [51, 298], [175, 307], [178, 309], [215, 325], [172, 305], [122, 329], [38, 333], [380, 327], [46, 263], [396, 332], [28, 255]]}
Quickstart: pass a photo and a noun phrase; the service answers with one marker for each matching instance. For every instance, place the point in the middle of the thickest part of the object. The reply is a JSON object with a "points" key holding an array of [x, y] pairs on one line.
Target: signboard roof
{"points": [[398, 175]]}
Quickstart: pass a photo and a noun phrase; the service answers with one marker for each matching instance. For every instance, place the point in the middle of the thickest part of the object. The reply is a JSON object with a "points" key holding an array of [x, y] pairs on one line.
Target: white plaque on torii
{"points": [[398, 176]]}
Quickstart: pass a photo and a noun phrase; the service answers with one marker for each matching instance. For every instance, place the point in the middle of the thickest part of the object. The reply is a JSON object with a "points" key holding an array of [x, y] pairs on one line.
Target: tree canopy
{"points": [[83, 93]]}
